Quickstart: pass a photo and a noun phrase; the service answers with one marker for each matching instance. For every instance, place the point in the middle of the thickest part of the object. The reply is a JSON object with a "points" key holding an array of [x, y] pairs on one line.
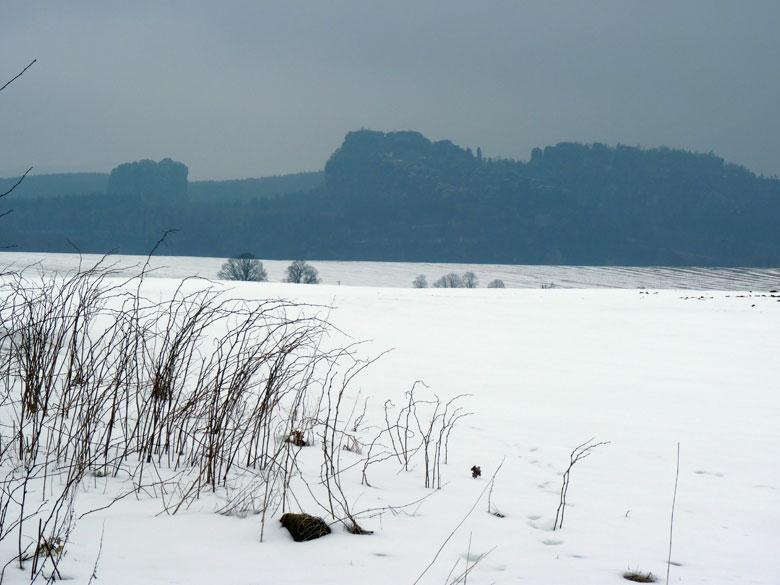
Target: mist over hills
{"points": [[399, 196]]}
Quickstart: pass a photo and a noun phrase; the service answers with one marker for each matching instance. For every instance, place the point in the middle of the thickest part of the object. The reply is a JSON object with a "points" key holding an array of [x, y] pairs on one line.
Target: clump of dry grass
{"points": [[639, 577]]}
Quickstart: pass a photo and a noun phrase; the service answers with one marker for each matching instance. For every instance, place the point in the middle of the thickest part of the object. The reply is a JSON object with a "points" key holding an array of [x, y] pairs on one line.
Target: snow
{"points": [[401, 274], [546, 370]]}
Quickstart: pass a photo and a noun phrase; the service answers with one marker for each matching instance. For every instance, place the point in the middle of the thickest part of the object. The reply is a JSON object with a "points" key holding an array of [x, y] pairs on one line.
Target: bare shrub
{"points": [[579, 453], [97, 381], [194, 398], [497, 283], [421, 426]]}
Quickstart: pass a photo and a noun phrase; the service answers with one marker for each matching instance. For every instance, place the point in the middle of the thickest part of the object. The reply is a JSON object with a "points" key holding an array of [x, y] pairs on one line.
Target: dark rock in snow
{"points": [[304, 527]]}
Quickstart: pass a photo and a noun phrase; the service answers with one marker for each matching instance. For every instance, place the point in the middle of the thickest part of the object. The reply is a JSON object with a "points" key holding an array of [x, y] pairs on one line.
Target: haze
{"points": [[247, 88]]}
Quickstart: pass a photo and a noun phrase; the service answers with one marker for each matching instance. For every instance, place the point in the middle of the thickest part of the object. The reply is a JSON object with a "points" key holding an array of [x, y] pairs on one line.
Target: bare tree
{"points": [[470, 280], [420, 282], [497, 283], [302, 273], [450, 280], [243, 267]]}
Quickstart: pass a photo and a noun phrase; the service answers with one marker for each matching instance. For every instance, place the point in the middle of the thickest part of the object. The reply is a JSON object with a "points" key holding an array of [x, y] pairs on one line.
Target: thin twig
{"points": [[671, 522], [97, 558], [18, 75], [19, 182]]}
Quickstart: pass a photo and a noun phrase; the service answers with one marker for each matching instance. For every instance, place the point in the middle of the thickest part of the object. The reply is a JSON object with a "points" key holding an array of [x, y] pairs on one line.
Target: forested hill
{"points": [[70, 184], [400, 196], [57, 185], [247, 189], [570, 203]]}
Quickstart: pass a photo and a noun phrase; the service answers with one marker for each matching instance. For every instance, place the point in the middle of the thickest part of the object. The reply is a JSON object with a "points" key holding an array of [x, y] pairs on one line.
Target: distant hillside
{"points": [[57, 185], [245, 189], [400, 196], [69, 184], [569, 204]]}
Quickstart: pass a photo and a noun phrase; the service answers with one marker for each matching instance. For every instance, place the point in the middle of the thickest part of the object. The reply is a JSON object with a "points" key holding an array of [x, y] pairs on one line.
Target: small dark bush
{"points": [[639, 577], [303, 527], [297, 439]]}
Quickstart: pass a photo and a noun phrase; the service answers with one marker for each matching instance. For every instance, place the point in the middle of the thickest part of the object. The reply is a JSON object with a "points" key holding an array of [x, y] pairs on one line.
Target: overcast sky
{"points": [[238, 88]]}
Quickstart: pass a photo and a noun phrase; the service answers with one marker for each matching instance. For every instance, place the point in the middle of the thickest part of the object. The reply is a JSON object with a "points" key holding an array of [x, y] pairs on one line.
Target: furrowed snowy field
{"points": [[401, 274], [546, 370]]}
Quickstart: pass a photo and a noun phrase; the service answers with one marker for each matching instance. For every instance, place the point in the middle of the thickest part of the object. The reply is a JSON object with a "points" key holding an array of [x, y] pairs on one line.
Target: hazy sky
{"points": [[248, 88]]}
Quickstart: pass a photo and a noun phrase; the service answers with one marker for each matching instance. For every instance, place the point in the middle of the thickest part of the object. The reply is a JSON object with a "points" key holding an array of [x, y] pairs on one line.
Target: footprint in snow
{"points": [[472, 557], [551, 542], [536, 523], [712, 473]]}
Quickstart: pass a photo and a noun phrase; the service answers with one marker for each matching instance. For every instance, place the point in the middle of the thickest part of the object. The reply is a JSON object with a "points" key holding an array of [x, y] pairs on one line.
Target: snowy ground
{"points": [[548, 369], [401, 274]]}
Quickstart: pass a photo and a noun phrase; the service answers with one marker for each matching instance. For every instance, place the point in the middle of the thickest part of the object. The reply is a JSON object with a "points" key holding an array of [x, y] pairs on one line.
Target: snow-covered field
{"points": [[401, 274], [546, 371]]}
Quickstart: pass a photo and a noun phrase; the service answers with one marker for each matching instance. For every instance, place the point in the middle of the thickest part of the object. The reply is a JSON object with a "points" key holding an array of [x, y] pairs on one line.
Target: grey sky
{"points": [[247, 88]]}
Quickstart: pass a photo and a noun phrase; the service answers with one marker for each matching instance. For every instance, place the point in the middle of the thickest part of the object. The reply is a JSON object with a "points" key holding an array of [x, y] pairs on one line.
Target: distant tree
{"points": [[420, 282], [303, 273], [450, 280], [497, 283], [470, 280], [243, 267]]}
